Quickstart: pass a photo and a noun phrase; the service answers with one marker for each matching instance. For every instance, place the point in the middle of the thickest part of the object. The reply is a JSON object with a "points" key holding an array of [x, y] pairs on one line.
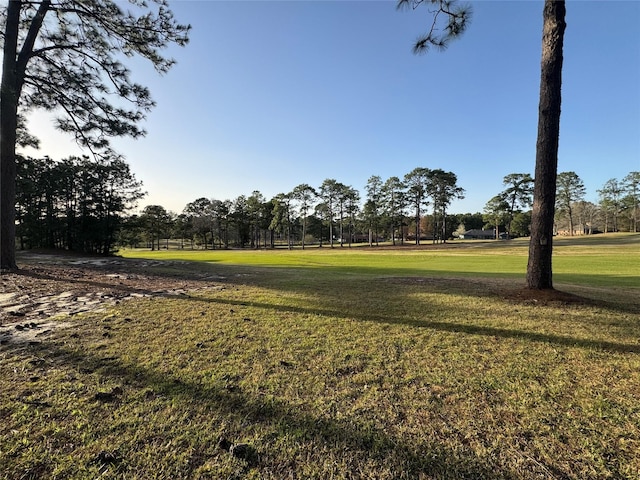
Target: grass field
{"points": [[347, 363]]}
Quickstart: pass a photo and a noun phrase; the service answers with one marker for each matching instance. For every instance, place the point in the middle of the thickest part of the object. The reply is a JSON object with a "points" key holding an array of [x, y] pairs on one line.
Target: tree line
{"points": [[413, 208], [76, 204], [88, 206], [615, 210]]}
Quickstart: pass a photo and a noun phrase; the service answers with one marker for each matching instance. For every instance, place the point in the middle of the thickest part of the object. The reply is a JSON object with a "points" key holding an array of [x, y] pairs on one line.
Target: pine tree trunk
{"points": [[539, 272], [8, 124], [304, 230], [570, 223]]}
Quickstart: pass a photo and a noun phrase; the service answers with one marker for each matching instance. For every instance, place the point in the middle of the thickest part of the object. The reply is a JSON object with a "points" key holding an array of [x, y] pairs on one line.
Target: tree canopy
{"points": [[74, 204], [66, 56]]}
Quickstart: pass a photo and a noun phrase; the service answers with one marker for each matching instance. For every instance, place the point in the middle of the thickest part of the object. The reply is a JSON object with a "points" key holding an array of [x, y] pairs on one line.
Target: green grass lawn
{"points": [[346, 364], [595, 260]]}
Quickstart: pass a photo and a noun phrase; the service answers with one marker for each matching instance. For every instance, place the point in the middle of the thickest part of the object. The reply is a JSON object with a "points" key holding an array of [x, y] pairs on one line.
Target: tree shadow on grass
{"points": [[199, 275], [469, 329], [473, 287], [204, 273], [351, 440], [456, 285]]}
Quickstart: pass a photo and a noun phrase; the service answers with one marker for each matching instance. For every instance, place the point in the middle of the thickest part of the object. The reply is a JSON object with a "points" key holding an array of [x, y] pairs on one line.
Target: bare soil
{"points": [[51, 286]]}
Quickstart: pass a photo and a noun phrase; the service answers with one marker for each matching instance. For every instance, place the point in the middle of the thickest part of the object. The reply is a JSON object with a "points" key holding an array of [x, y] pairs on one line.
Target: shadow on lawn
{"points": [[201, 275], [444, 326], [351, 440], [280, 278]]}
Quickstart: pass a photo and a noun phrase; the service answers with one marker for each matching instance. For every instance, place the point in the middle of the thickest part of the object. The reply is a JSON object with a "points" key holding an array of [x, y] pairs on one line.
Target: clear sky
{"points": [[272, 94]]}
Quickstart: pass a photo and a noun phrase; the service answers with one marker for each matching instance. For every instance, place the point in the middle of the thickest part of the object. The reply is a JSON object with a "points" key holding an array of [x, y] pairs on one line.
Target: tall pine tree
{"points": [[63, 56]]}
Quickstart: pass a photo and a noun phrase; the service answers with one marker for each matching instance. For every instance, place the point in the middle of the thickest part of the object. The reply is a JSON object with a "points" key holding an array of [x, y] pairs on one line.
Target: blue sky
{"points": [[271, 94]]}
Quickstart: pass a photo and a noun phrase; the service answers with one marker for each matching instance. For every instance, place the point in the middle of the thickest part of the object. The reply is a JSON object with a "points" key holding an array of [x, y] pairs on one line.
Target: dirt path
{"points": [[51, 287]]}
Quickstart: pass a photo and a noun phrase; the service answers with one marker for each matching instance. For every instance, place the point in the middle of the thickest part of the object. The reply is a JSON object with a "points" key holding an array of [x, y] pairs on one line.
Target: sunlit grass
{"points": [[356, 364], [612, 259]]}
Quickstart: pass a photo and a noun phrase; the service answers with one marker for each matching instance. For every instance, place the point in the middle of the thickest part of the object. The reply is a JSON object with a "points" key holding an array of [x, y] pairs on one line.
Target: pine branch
{"points": [[449, 21]]}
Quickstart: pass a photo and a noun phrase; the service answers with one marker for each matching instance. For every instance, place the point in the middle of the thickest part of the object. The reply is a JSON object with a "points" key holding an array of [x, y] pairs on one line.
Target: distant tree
{"points": [[443, 189], [170, 229], [570, 189], [75, 204], [323, 213], [520, 224], [305, 196], [496, 213], [631, 186], [329, 192], [64, 56], [471, 221], [450, 225], [258, 222], [200, 216], [37, 206], [586, 213], [67, 178], [131, 232], [370, 216], [240, 217], [222, 219], [183, 229], [393, 197], [116, 192], [352, 207], [611, 202], [155, 220], [343, 198], [266, 219], [373, 206], [518, 194], [417, 183], [627, 212], [281, 219]]}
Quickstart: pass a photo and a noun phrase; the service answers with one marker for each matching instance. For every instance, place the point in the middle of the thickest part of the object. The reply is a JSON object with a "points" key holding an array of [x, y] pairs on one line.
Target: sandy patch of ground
{"points": [[51, 287]]}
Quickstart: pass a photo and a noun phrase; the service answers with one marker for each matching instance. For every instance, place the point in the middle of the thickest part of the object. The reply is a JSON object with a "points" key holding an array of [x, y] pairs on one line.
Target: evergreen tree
{"points": [[448, 21], [75, 204], [496, 213], [631, 185], [443, 189], [518, 194], [394, 199], [611, 202], [62, 55], [304, 195], [373, 206], [417, 182], [570, 189]]}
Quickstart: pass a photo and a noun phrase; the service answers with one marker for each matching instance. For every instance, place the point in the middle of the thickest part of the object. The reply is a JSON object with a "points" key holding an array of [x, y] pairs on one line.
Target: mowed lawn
{"points": [[376, 363]]}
